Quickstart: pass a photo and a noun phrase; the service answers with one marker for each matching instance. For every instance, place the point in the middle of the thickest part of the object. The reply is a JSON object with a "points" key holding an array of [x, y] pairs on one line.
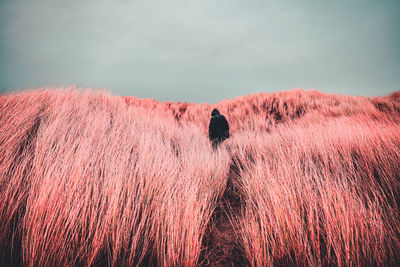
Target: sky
{"points": [[201, 51]]}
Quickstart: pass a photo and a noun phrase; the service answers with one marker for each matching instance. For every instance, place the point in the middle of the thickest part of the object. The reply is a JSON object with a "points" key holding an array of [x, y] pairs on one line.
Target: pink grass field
{"points": [[306, 179]]}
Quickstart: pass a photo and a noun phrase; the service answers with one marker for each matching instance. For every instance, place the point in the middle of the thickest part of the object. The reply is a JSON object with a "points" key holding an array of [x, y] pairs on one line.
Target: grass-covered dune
{"points": [[307, 178]]}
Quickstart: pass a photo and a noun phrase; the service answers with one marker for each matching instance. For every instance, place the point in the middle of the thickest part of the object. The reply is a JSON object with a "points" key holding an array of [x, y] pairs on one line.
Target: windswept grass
{"points": [[93, 179]]}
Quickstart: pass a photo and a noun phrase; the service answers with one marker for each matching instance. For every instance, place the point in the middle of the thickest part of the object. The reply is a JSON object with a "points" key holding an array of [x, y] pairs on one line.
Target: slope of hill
{"points": [[306, 178]]}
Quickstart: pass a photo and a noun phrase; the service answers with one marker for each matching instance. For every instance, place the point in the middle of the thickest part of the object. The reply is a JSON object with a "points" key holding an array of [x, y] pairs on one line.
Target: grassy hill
{"points": [[307, 178]]}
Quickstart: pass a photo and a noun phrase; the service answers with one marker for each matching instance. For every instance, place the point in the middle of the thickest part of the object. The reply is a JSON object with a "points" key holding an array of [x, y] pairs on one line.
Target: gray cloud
{"points": [[201, 50]]}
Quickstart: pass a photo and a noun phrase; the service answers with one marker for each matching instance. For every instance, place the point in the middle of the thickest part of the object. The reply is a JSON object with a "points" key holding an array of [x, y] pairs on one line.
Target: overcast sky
{"points": [[201, 51]]}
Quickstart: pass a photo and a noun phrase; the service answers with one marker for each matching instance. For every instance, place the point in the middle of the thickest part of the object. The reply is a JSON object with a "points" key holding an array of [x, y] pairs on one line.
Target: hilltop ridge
{"points": [[273, 108]]}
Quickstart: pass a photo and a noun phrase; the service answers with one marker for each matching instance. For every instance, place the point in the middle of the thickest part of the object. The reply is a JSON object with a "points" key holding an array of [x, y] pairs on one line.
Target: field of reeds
{"points": [[92, 179]]}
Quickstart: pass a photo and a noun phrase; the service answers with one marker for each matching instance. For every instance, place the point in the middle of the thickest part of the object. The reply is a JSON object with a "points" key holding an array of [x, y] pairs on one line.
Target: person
{"points": [[218, 129]]}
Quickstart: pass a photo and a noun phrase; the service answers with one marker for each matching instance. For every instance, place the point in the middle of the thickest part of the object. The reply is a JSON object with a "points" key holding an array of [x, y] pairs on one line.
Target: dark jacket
{"points": [[218, 129]]}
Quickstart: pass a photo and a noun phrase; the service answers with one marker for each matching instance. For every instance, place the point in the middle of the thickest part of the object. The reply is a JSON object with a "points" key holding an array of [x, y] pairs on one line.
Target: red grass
{"points": [[92, 179]]}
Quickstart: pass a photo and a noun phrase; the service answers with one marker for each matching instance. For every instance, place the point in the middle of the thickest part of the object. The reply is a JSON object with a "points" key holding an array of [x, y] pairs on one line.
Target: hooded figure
{"points": [[218, 130]]}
